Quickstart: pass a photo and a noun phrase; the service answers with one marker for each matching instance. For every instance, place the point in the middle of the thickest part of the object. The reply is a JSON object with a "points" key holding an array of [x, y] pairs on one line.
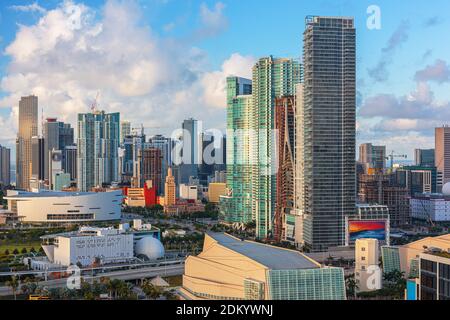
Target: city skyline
{"points": [[398, 106]]}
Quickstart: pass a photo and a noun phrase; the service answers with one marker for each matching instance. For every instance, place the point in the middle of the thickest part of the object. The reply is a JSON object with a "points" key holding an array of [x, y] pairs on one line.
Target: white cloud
{"points": [[151, 80], [214, 83], [33, 7]]}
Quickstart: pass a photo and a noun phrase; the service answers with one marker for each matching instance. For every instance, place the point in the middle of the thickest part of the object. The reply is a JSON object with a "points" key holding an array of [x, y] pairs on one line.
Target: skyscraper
{"points": [[150, 166], [37, 161], [28, 128], [372, 157], [236, 207], [192, 150], [442, 155], [125, 130], [424, 157], [165, 145], [285, 126], [327, 130], [5, 166], [57, 135], [97, 149], [272, 78], [70, 161]]}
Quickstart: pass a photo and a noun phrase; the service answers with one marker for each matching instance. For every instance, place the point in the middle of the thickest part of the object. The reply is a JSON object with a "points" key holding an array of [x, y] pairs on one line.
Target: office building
{"points": [[424, 157], [188, 192], [372, 157], [327, 130], [285, 127], [236, 206], [65, 207], [70, 161], [405, 258], [442, 155], [28, 128], [192, 151], [125, 131], [272, 78], [5, 166], [141, 197], [165, 145], [215, 191], [229, 268], [57, 135], [367, 273], [61, 180], [150, 166], [432, 207], [37, 162], [417, 179], [97, 149], [434, 280]]}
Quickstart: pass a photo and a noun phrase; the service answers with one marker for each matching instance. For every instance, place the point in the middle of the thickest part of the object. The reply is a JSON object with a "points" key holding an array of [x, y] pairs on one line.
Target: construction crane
{"points": [[392, 156], [94, 105]]}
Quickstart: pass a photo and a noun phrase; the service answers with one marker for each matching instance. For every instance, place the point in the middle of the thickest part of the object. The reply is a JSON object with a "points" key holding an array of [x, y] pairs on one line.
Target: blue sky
{"points": [[412, 39]]}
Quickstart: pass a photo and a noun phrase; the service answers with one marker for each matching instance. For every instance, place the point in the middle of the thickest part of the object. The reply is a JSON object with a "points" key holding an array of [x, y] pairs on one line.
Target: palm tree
{"points": [[13, 284], [351, 285]]}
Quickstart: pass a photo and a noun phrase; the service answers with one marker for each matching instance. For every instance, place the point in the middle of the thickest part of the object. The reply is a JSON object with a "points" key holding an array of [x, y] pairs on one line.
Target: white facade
{"points": [[367, 271], [107, 245], [62, 207], [188, 192], [434, 207]]}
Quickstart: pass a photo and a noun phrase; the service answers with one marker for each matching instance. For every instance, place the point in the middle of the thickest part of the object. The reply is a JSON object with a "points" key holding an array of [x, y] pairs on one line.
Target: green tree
{"points": [[16, 251], [13, 284], [150, 290]]}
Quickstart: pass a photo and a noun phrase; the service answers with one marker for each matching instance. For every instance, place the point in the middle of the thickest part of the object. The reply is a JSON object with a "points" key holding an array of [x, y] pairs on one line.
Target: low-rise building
{"points": [[188, 192], [65, 207], [229, 268], [430, 206]]}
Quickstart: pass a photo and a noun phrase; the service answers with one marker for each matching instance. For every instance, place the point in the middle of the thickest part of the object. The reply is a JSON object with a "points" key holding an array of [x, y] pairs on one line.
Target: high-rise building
{"points": [[327, 131], [169, 189], [97, 149], [372, 157], [28, 128], [5, 166], [57, 135], [165, 145], [150, 168], [285, 126], [192, 152], [417, 179], [442, 155], [236, 207], [125, 130], [37, 161], [70, 161], [424, 157], [272, 78]]}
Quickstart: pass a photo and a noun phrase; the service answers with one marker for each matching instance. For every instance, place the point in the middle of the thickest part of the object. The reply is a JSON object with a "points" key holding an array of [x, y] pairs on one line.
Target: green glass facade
{"points": [[307, 284], [236, 208], [391, 258], [271, 78]]}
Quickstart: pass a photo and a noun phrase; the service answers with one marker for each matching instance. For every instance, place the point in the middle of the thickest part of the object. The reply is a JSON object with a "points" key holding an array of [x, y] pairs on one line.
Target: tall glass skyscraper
{"points": [[327, 131], [272, 78], [236, 208], [97, 152], [28, 128]]}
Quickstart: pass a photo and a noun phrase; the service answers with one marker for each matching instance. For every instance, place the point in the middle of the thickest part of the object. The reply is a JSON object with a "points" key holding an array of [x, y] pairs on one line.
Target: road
{"points": [[130, 274]]}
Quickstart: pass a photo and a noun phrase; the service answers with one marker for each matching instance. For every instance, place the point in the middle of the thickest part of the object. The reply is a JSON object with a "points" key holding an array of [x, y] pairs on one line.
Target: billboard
{"points": [[374, 229]]}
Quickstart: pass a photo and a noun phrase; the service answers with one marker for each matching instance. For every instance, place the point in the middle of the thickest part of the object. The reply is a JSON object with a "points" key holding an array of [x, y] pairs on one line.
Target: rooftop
{"points": [[272, 257], [44, 193]]}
